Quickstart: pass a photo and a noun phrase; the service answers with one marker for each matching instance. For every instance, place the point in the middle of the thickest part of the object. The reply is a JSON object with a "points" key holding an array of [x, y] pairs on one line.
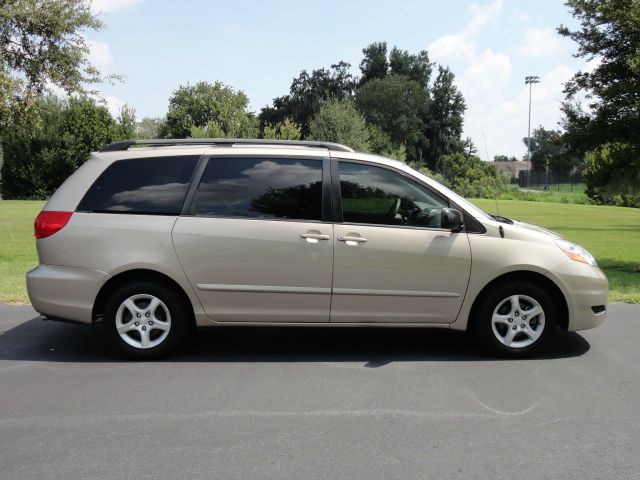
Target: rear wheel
{"points": [[516, 320], [145, 320]]}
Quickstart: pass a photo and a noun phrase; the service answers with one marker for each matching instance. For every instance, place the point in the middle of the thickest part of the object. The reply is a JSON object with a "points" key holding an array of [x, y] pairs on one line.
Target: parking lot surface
{"points": [[311, 403]]}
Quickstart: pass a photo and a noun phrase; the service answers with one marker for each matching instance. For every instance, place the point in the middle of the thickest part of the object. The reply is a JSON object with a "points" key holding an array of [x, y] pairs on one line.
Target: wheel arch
{"points": [[140, 274], [528, 277]]}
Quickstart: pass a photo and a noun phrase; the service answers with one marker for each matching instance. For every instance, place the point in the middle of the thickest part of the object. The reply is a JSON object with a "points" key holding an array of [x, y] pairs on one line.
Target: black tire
{"points": [[178, 321], [483, 329]]}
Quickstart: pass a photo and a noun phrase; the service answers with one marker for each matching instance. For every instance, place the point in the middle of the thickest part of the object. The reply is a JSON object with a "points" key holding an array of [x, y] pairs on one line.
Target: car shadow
{"points": [[48, 341]]}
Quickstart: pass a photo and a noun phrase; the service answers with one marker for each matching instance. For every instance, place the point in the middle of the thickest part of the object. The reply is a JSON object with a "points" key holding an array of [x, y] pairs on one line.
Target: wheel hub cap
{"points": [[143, 321], [529, 328]]}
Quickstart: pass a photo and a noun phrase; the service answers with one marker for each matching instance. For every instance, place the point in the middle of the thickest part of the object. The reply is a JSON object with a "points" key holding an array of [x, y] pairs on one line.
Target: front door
{"points": [[393, 261], [255, 248]]}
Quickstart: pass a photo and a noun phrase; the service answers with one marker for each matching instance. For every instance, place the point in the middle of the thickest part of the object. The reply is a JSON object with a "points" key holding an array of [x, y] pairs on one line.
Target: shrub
{"points": [[612, 175], [39, 158], [469, 176]]}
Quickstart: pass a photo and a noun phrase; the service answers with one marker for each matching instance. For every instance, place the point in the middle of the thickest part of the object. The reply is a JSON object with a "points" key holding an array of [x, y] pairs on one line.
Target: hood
{"points": [[535, 228]]}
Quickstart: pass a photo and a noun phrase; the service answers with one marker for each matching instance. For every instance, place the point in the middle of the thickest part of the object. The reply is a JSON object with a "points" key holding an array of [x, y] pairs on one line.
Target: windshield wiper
{"points": [[501, 219]]}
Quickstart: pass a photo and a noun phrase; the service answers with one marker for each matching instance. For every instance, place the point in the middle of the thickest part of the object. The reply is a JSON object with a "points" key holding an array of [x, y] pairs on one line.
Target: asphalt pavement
{"points": [[313, 403]]}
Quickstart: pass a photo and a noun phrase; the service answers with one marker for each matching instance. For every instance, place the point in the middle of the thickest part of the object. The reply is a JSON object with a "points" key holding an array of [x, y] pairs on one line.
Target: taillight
{"points": [[47, 223]]}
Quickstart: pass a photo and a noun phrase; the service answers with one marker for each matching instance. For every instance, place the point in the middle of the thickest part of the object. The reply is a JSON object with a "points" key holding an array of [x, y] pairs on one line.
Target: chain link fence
{"points": [[550, 180]]}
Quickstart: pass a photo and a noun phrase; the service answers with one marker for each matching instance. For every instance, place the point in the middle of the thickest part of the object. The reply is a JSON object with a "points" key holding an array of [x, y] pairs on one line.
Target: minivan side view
{"points": [[154, 238]]}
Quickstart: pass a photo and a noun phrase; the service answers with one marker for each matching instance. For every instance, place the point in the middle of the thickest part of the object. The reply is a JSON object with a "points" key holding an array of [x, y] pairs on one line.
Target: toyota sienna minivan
{"points": [[153, 238]]}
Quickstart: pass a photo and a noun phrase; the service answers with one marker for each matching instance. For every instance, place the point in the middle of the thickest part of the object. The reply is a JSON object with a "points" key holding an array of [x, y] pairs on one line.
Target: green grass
{"points": [[17, 247], [611, 234], [562, 187], [553, 195]]}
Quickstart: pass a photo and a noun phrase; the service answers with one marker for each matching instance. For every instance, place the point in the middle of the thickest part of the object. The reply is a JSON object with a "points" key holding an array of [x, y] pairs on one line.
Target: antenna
{"points": [[486, 150]]}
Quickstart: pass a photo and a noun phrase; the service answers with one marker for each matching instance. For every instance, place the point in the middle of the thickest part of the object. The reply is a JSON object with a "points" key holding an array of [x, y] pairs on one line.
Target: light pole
{"points": [[530, 80]]}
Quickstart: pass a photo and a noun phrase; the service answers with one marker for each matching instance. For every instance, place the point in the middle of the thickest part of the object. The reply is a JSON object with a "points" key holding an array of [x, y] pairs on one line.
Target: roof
{"points": [[125, 144]]}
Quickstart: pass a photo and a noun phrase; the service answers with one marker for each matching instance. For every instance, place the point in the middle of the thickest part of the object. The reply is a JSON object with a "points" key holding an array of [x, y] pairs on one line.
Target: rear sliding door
{"points": [[255, 247]]}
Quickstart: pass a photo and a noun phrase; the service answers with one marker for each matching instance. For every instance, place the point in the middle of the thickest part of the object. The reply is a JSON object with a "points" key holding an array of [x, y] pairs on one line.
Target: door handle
{"points": [[314, 237], [353, 240]]}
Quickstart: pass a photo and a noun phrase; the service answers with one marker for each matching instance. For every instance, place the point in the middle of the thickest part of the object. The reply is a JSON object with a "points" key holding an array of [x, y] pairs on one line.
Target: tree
{"points": [[609, 129], [215, 109], [415, 67], [39, 157], [504, 158], [43, 43], [381, 143], [374, 64], [149, 128], [398, 106], [437, 116], [127, 127], [469, 176], [549, 150], [286, 130], [612, 176], [30, 153], [445, 119], [306, 95], [468, 147], [608, 33], [340, 122]]}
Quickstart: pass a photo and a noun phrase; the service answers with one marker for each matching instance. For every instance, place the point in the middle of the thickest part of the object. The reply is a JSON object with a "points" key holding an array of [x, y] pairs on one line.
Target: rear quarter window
{"points": [[155, 186]]}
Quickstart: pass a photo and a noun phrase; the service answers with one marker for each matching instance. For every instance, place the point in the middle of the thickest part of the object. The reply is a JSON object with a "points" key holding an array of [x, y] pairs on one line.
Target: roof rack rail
{"points": [[125, 144]]}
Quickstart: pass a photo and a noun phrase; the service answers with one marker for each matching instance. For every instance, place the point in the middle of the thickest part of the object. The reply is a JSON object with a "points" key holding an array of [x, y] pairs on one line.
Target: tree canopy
{"points": [[609, 129], [374, 64], [38, 158], [408, 115], [286, 130], [209, 110], [42, 44], [398, 106], [396, 94], [609, 36], [445, 119], [340, 122], [549, 150], [307, 93]]}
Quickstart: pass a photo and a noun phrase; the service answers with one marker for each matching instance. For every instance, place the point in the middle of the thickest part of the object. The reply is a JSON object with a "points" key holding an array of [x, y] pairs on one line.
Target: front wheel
{"points": [[516, 320], [145, 320]]}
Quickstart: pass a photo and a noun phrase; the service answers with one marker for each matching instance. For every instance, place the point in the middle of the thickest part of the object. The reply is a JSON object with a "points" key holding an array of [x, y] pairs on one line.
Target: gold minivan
{"points": [[154, 237]]}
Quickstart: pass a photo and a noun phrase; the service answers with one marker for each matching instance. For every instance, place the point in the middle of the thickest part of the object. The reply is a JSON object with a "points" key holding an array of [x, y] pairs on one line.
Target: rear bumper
{"points": [[64, 292], [586, 289]]}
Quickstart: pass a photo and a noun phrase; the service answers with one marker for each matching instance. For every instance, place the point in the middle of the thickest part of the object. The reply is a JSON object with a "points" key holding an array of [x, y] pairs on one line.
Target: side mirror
{"points": [[452, 219]]}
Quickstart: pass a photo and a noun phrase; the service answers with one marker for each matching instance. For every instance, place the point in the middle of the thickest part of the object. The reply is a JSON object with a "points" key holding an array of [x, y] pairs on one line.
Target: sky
{"points": [[259, 47]]}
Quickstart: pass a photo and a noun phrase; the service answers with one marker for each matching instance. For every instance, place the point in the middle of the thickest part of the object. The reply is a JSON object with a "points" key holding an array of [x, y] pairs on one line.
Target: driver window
{"points": [[379, 196]]}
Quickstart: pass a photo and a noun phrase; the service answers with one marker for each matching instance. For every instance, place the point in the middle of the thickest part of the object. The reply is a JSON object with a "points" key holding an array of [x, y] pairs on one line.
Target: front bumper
{"points": [[65, 293], [586, 289]]}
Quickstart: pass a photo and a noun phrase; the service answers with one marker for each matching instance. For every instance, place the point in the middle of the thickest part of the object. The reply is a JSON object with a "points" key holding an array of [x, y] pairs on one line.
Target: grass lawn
{"points": [[17, 247], [560, 187], [556, 194], [611, 234]]}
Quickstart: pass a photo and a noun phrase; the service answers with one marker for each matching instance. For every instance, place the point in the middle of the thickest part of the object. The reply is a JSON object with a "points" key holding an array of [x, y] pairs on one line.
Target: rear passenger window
{"points": [[261, 188], [142, 185]]}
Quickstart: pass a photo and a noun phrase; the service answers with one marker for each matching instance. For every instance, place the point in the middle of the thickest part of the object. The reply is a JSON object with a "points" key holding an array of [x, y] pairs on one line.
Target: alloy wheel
{"points": [[518, 321], [143, 321]]}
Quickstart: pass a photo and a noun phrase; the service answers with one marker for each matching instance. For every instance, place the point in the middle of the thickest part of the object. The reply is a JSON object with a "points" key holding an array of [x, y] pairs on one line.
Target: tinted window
{"points": [[141, 185], [262, 188], [380, 196]]}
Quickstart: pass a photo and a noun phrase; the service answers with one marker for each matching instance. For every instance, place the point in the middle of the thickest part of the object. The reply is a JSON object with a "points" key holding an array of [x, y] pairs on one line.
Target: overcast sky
{"points": [[259, 47]]}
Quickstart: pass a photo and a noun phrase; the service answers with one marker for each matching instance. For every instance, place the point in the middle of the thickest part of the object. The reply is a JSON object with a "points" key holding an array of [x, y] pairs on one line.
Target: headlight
{"points": [[576, 252]]}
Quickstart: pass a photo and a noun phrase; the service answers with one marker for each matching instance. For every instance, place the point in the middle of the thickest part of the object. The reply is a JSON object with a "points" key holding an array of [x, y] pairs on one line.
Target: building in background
{"points": [[510, 169]]}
